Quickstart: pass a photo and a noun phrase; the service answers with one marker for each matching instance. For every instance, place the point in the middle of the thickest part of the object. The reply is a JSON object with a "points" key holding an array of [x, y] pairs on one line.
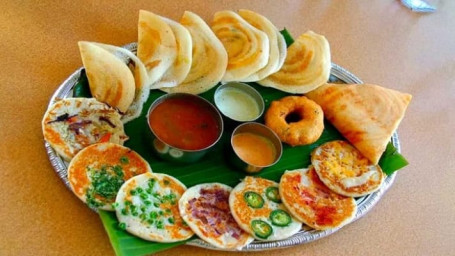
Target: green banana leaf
{"points": [[214, 167]]}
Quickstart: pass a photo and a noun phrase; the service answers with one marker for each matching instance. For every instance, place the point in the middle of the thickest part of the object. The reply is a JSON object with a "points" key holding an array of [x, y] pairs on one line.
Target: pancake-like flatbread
{"points": [[256, 206], [72, 124], [110, 79], [147, 207], [178, 71], [142, 90], [96, 173], [205, 208], [343, 169], [247, 47], [307, 65], [276, 53], [209, 58], [156, 46], [312, 202], [366, 115]]}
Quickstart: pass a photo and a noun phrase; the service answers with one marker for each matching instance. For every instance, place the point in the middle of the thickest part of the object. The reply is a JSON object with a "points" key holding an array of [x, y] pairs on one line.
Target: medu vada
{"points": [[297, 120]]}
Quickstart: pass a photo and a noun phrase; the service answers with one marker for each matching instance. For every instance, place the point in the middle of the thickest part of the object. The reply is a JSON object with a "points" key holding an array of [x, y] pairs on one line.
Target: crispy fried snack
{"points": [[297, 120]]}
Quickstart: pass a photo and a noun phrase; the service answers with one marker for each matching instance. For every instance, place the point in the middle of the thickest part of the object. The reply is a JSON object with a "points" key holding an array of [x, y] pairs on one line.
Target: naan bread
{"points": [[71, 124], [209, 59], [312, 202], [277, 54], [366, 115], [98, 171], [110, 79], [205, 208], [246, 46], [307, 65], [142, 88], [343, 169], [147, 207], [156, 47], [178, 71]]}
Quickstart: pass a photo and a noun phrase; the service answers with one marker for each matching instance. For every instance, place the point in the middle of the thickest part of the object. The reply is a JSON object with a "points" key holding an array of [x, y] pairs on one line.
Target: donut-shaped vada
{"points": [[297, 120]]}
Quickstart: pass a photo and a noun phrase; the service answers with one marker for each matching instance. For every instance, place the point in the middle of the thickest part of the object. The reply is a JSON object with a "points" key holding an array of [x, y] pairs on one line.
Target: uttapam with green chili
{"points": [[205, 208], [256, 206], [147, 207], [98, 171]]}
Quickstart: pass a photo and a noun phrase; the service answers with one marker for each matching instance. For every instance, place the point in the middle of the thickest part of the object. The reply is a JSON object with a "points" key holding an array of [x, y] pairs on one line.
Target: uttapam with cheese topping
{"points": [[96, 173], [312, 202], [343, 169], [205, 208], [147, 207], [72, 124], [256, 206]]}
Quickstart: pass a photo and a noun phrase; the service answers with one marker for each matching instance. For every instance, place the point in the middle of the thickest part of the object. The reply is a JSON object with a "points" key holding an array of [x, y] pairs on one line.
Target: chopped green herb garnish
{"points": [[115, 205], [149, 191], [143, 216], [106, 182], [159, 224], [124, 211], [144, 196], [168, 211], [147, 202], [127, 203], [122, 225], [157, 205], [124, 160], [171, 220], [150, 221], [139, 190], [153, 215], [151, 183]]}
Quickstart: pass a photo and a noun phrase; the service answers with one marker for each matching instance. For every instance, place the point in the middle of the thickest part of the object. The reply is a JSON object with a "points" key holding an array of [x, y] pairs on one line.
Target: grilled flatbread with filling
{"points": [[312, 202], [96, 173], [307, 65], [110, 79], [256, 206], [247, 47], [156, 45], [209, 58], [366, 115], [147, 207], [343, 169], [72, 124], [205, 208], [277, 45]]}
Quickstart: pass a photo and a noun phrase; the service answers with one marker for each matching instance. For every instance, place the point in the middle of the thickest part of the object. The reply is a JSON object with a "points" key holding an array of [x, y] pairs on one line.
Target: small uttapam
{"points": [[205, 208], [343, 169], [72, 124], [312, 202], [98, 171], [256, 206], [147, 207]]}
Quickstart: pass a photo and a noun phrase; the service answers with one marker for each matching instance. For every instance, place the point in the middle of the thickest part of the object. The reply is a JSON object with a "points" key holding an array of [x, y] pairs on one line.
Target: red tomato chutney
{"points": [[185, 123]]}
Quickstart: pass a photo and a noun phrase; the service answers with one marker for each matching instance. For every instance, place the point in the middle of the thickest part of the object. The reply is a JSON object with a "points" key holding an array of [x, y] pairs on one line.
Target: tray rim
{"points": [[306, 235]]}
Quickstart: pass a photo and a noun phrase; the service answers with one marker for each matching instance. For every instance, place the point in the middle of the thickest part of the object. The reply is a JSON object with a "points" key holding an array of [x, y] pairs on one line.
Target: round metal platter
{"points": [[306, 235]]}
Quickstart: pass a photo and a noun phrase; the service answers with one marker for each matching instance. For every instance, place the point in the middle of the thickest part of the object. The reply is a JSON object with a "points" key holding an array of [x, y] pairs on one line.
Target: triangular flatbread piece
{"points": [[366, 115]]}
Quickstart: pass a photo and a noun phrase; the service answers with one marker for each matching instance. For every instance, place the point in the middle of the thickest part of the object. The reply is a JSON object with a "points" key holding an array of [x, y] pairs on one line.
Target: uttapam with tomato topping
{"points": [[312, 202], [256, 206], [98, 171], [343, 169], [72, 124], [147, 207], [205, 208]]}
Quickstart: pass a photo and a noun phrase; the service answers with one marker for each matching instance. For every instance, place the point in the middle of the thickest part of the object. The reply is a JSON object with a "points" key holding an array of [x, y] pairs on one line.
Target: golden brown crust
{"points": [[303, 132]]}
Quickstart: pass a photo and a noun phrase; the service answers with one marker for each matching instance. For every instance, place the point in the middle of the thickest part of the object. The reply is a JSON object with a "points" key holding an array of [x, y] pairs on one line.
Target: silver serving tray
{"points": [[306, 235]]}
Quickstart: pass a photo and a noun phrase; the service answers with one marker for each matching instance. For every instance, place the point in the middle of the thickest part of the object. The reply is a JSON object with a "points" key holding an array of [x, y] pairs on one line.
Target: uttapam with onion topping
{"points": [[72, 124], [147, 207], [312, 202], [205, 208], [256, 206], [96, 173], [343, 169]]}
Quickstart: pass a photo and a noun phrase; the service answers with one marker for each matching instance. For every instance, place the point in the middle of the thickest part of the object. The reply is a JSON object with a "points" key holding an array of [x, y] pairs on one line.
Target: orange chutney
{"points": [[254, 149], [184, 123]]}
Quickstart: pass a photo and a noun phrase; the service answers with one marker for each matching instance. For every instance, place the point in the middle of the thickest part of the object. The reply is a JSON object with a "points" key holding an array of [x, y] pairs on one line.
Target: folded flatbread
{"points": [[366, 115], [110, 79]]}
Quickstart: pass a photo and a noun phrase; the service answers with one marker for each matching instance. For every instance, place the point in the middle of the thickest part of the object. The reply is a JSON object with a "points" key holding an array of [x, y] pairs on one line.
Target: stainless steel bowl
{"points": [[170, 152]]}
